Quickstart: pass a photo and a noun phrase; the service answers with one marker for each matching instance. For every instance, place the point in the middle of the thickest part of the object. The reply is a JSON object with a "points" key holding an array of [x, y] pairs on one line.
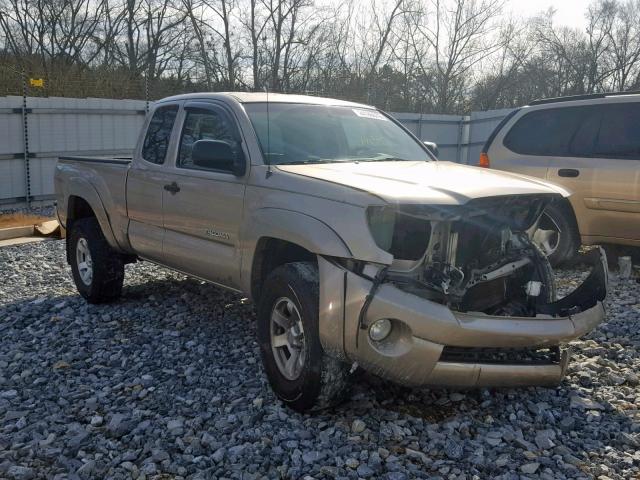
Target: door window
{"points": [[205, 124], [619, 135], [584, 139], [156, 141]]}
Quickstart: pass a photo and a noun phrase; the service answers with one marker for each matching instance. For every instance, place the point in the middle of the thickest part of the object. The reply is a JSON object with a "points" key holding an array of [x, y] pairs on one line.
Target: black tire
{"points": [[559, 218], [107, 264], [323, 381]]}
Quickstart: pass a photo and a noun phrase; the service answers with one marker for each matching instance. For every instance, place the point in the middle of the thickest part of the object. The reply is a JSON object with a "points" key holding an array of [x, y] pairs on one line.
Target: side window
{"points": [[156, 141], [619, 135], [545, 132], [583, 141], [205, 124]]}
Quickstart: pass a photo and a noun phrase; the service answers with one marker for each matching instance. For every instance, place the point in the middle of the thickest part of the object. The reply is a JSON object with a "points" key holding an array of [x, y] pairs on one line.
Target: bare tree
{"points": [[449, 40], [624, 41]]}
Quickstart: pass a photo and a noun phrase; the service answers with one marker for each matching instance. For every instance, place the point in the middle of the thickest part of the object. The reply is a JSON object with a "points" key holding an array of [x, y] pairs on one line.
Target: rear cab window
{"points": [[158, 136]]}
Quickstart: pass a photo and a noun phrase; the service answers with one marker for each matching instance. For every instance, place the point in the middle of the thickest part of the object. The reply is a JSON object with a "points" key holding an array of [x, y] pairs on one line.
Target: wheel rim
{"points": [[287, 338], [547, 235], [83, 261]]}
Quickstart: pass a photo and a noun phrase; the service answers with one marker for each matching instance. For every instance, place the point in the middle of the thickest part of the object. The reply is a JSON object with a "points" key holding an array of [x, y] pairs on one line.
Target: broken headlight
{"points": [[403, 235], [381, 221]]}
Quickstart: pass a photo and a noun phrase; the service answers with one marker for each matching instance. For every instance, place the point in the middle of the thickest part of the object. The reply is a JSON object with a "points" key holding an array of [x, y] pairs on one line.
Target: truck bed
{"points": [[101, 180]]}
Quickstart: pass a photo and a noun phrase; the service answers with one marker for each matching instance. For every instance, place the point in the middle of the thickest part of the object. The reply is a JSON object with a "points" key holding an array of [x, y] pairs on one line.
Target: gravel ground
{"points": [[44, 210], [167, 383]]}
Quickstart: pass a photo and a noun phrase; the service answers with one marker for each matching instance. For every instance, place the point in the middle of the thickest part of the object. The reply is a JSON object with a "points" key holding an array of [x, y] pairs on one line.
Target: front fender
{"points": [[295, 227]]}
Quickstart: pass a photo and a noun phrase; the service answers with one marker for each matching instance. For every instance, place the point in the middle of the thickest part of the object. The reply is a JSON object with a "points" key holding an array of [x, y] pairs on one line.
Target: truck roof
{"points": [[260, 97]]}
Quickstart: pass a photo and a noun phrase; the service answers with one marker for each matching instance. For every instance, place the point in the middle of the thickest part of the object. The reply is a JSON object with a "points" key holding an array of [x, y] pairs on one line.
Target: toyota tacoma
{"points": [[356, 245]]}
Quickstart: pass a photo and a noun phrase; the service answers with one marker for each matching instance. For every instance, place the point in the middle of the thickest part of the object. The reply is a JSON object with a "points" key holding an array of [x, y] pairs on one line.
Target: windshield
{"points": [[303, 133]]}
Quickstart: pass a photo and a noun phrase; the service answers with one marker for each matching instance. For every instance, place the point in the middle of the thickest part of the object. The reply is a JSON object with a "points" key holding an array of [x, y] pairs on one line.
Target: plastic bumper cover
{"points": [[412, 354]]}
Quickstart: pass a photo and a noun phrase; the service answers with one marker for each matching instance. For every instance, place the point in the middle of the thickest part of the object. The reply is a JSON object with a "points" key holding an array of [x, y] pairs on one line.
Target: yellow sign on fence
{"points": [[36, 82]]}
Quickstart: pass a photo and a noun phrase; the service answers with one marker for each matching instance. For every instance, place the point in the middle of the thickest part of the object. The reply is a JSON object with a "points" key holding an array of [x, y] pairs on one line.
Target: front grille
{"points": [[507, 356]]}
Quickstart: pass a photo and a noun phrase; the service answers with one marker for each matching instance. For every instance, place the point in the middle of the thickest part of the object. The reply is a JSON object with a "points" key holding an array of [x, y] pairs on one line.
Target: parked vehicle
{"points": [[356, 246], [589, 144]]}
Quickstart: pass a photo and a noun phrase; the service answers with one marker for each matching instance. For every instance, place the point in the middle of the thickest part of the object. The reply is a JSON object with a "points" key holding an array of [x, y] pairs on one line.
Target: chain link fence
{"points": [[78, 112], [119, 83]]}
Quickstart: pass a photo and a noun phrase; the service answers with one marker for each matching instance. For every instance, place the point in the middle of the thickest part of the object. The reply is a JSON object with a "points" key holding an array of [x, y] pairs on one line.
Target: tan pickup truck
{"points": [[356, 245]]}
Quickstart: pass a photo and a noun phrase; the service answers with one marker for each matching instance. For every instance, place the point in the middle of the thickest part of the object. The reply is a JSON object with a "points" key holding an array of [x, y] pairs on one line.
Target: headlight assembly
{"points": [[403, 235], [381, 221]]}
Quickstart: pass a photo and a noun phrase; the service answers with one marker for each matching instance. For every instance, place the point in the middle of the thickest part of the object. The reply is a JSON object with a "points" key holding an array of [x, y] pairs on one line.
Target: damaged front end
{"points": [[478, 257], [467, 300]]}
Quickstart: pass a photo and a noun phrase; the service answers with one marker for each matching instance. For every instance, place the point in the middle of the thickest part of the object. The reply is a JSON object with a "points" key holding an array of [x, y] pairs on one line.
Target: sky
{"points": [[568, 12]]}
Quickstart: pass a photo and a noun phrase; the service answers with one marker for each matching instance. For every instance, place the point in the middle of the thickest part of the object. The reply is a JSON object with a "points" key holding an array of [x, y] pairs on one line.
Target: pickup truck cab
{"points": [[357, 246]]}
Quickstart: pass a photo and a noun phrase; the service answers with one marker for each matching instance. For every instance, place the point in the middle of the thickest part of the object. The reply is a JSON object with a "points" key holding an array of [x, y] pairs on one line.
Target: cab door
{"points": [[203, 207], [603, 171], [145, 182]]}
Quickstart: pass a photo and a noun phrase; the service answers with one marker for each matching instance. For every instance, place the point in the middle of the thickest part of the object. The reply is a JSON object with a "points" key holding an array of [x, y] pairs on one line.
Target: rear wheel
{"points": [[299, 371], [98, 270], [557, 235]]}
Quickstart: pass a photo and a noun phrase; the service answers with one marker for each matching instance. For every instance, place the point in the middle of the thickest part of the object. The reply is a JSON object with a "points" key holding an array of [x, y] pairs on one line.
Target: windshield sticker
{"points": [[361, 112]]}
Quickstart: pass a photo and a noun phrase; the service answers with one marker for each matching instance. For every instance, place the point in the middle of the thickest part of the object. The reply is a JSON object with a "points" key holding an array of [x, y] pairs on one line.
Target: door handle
{"points": [[172, 187], [568, 172]]}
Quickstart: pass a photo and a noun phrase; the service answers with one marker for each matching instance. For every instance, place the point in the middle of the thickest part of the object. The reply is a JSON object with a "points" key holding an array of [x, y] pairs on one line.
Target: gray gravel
{"points": [[44, 210], [167, 383]]}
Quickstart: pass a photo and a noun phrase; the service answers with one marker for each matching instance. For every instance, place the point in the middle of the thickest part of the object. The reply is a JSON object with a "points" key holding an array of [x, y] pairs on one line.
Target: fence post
{"points": [[459, 143], [146, 91], [25, 140], [469, 138]]}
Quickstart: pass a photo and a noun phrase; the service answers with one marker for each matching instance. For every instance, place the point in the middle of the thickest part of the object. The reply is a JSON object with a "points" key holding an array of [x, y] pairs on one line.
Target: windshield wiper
{"points": [[379, 158], [382, 157], [314, 160], [385, 158]]}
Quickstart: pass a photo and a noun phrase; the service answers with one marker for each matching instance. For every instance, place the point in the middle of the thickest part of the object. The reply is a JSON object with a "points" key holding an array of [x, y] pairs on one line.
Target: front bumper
{"points": [[413, 352]]}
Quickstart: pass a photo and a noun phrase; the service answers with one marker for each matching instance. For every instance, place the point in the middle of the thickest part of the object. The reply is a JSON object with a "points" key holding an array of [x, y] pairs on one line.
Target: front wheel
{"points": [[556, 235], [299, 371], [98, 271]]}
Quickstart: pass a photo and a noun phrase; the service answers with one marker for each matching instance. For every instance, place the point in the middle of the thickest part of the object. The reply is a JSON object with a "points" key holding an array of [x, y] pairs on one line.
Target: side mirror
{"points": [[432, 147], [218, 155]]}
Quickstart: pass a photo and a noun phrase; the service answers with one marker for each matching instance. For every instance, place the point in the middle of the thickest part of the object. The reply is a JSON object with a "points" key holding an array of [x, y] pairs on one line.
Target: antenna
{"points": [[268, 153]]}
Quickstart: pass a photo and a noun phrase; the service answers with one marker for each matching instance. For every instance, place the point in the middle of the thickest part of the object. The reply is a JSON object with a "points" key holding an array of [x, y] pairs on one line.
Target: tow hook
{"points": [[377, 281]]}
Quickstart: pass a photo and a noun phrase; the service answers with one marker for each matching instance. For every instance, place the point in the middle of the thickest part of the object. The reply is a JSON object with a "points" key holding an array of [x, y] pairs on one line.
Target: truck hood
{"points": [[434, 182]]}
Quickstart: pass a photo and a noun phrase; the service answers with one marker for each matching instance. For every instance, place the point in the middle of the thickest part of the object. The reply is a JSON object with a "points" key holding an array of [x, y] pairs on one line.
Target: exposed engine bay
{"points": [[478, 257]]}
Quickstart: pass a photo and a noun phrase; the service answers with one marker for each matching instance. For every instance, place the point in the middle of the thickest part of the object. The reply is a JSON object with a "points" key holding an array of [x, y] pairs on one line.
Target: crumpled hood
{"points": [[432, 182]]}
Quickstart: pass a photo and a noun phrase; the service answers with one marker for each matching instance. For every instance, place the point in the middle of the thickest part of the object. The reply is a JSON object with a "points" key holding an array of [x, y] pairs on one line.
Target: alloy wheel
{"points": [[547, 235], [84, 262], [287, 338]]}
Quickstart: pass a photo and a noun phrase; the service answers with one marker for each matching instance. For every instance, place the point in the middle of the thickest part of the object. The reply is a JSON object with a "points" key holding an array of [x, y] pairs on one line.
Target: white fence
{"points": [[459, 137], [32, 138]]}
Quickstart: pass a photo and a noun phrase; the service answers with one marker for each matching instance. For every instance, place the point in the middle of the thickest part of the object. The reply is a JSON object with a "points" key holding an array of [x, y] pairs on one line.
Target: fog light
{"points": [[380, 329]]}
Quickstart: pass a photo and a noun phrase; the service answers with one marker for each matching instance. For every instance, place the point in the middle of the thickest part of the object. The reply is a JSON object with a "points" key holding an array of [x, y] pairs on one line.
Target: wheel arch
{"points": [[279, 236], [83, 201], [271, 253], [564, 204]]}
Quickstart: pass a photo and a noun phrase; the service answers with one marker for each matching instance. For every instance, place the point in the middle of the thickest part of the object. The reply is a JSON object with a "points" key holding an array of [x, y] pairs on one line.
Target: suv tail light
{"points": [[484, 160]]}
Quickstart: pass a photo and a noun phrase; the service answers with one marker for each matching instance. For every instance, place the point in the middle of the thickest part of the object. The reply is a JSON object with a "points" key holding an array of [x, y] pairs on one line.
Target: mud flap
{"points": [[587, 295]]}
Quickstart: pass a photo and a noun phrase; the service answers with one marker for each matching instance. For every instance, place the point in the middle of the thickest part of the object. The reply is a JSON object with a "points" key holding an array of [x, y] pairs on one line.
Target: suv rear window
{"points": [[619, 135], [156, 141], [604, 130], [545, 132]]}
